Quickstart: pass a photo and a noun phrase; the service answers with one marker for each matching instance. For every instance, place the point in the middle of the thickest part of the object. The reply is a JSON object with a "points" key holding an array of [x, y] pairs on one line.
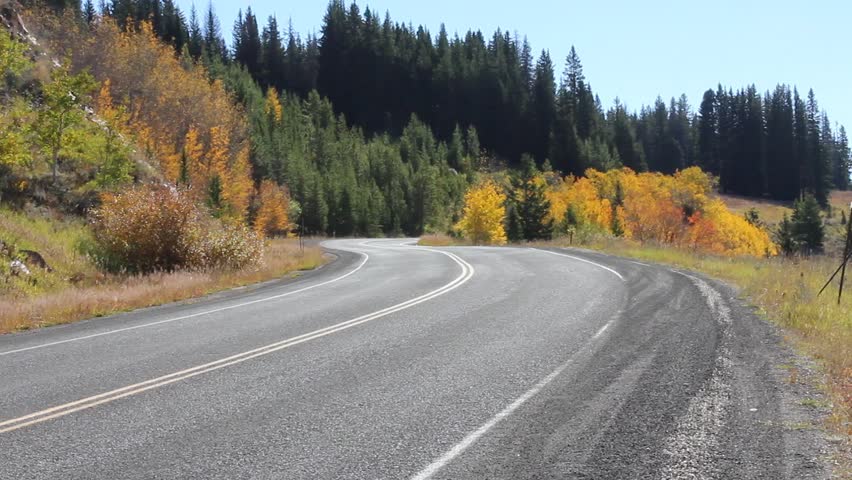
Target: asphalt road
{"points": [[397, 361]]}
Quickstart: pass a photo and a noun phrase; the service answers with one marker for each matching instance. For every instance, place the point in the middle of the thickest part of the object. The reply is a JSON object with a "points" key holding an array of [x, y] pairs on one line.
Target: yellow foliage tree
{"points": [[273, 104], [193, 156], [238, 187], [484, 214], [651, 207], [271, 216]]}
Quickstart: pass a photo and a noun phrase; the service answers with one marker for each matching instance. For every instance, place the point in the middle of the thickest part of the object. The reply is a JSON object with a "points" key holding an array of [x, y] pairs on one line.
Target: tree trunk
{"points": [[55, 164]]}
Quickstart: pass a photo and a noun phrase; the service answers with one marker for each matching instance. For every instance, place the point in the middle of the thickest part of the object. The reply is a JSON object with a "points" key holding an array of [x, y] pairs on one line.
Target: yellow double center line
{"points": [[113, 395]]}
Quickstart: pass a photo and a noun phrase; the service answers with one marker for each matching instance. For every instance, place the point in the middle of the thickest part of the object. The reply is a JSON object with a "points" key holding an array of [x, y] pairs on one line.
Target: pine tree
{"points": [[455, 152], [272, 63], [625, 140], [514, 223], [529, 198], [249, 49], [817, 165], [708, 135], [782, 168], [752, 171], [214, 43], [785, 237], [807, 227], [89, 13], [842, 161], [543, 104], [196, 37], [472, 147]]}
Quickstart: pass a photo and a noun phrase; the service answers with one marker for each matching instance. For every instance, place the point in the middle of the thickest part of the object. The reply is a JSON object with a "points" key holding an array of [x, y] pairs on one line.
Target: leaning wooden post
{"points": [[846, 249]]}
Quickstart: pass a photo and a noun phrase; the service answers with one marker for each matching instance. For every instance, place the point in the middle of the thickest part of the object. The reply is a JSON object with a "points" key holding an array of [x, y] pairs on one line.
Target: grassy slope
{"points": [[52, 298]]}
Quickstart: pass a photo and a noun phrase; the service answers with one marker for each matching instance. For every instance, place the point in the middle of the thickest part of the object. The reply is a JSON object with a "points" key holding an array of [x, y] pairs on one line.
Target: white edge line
{"points": [[186, 317], [473, 437], [95, 400], [582, 260]]}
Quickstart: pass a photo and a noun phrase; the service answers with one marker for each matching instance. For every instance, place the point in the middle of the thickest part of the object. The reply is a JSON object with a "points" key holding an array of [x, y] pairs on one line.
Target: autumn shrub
{"points": [[160, 227], [232, 247]]}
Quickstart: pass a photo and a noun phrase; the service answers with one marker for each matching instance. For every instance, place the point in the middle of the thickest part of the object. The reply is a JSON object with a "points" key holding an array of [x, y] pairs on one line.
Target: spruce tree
{"points": [[625, 140], [842, 161], [543, 106], [214, 43], [529, 198], [89, 13], [272, 58], [781, 165], [455, 152], [514, 223], [785, 237], [247, 45], [817, 165], [708, 135], [807, 227], [196, 37]]}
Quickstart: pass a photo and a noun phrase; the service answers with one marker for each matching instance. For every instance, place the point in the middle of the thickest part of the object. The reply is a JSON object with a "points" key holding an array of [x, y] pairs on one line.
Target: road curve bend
{"points": [[398, 361]]}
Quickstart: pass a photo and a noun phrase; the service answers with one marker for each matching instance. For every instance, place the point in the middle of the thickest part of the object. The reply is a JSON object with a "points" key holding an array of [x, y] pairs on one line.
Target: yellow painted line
{"points": [[199, 314], [106, 397]]}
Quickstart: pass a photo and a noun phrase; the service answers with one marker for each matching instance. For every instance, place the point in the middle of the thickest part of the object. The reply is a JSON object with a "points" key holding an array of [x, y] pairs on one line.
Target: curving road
{"points": [[398, 361]]}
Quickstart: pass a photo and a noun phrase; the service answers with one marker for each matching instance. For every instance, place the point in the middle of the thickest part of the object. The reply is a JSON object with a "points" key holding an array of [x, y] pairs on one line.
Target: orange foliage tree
{"points": [[271, 218]]}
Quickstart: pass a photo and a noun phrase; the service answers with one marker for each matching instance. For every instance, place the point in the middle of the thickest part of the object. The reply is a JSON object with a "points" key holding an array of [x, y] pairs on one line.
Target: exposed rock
{"points": [[19, 269]]}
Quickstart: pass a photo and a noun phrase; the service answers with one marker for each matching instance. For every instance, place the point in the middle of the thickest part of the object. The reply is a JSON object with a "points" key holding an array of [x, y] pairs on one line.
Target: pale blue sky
{"points": [[637, 50]]}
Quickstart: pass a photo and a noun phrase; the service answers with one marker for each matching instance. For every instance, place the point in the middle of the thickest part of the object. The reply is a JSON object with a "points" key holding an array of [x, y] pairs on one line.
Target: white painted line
{"points": [[601, 331], [472, 438], [199, 314], [639, 263], [106, 397], [581, 260]]}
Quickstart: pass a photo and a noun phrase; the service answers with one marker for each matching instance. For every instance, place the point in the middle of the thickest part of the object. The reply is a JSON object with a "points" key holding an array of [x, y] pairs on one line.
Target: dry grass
{"points": [[785, 291], [841, 199], [770, 211], [122, 293], [440, 240]]}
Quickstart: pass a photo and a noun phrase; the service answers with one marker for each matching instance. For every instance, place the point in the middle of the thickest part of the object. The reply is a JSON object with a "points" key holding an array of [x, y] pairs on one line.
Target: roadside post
{"points": [[847, 255], [847, 250]]}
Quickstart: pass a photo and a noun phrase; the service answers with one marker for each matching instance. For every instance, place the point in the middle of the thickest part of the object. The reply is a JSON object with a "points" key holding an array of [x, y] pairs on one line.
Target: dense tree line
{"points": [[778, 144], [378, 73], [345, 183]]}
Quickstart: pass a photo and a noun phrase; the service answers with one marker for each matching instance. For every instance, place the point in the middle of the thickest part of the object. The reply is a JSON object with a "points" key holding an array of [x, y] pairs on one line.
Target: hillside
{"points": [[89, 222]]}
